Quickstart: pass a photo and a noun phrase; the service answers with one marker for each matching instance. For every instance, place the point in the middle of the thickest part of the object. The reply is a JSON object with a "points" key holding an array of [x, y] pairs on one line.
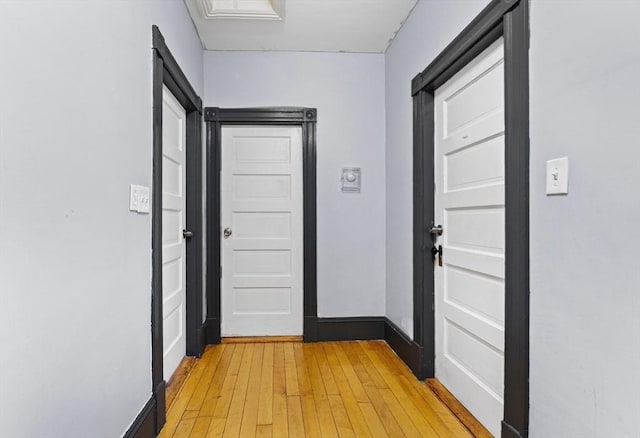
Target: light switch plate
{"points": [[558, 176], [144, 201], [139, 199], [133, 197]]}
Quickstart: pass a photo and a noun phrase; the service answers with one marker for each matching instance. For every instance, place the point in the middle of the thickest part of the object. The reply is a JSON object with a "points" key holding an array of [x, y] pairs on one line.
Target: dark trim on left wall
{"points": [[144, 424], [167, 72]]}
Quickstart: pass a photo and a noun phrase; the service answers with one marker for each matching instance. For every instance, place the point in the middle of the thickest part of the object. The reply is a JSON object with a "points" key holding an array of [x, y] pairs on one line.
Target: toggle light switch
{"points": [[558, 176], [139, 199]]}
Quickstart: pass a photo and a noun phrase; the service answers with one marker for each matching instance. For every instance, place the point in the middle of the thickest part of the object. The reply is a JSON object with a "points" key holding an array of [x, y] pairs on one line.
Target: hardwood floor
{"points": [[470, 422], [177, 380], [291, 389]]}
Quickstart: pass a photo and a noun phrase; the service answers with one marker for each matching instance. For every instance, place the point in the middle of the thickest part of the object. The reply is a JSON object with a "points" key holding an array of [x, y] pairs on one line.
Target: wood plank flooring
{"points": [[292, 389], [177, 380]]}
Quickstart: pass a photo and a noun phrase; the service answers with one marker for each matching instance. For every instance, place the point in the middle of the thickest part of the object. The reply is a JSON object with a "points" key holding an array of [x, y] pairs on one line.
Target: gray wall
{"points": [[430, 27], [75, 264], [585, 267], [585, 65], [348, 90]]}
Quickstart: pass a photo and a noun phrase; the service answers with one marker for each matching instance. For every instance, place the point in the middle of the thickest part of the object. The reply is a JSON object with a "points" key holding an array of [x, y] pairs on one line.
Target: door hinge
{"points": [[220, 272]]}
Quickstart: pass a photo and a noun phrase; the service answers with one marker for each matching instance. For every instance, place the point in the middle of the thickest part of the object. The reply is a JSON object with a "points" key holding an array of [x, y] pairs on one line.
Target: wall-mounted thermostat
{"points": [[351, 179]]}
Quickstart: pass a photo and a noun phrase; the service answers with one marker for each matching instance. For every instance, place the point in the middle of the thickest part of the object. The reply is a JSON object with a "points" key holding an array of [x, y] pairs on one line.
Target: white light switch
{"points": [[139, 199], [558, 176], [144, 203]]}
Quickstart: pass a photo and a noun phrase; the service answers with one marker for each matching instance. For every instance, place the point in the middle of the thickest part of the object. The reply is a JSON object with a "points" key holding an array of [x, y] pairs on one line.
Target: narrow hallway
{"points": [[316, 389]]}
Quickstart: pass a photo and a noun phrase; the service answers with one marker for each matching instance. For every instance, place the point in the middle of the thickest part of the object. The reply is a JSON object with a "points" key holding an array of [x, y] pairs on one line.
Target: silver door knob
{"points": [[187, 234], [436, 231], [227, 232]]}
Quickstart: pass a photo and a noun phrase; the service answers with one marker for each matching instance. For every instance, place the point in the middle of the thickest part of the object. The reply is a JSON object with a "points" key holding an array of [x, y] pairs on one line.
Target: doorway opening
{"points": [[176, 220], [509, 21], [222, 122]]}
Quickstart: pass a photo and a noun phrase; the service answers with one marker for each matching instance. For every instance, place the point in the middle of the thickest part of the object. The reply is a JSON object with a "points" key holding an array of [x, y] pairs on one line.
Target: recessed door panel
{"points": [[480, 229], [261, 302], [476, 292], [481, 96], [274, 187], [265, 150], [476, 358], [262, 263], [261, 225], [172, 177], [488, 168]]}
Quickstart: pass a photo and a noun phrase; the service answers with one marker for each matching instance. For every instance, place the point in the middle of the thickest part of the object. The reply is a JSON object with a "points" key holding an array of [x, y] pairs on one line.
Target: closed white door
{"points": [[173, 222], [261, 221], [469, 204]]}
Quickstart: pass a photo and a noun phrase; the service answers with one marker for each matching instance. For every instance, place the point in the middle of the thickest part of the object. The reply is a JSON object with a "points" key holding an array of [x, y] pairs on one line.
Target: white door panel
{"points": [[469, 204], [261, 203], [173, 222]]}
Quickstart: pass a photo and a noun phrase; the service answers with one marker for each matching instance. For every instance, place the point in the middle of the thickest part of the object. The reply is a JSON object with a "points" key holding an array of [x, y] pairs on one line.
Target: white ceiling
{"points": [[365, 26]]}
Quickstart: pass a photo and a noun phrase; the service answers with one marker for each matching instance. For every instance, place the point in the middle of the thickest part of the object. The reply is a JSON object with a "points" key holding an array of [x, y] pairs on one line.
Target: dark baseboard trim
{"points": [[408, 350], [210, 332], [509, 432], [357, 328], [201, 335], [310, 329], [160, 406], [144, 424], [366, 328]]}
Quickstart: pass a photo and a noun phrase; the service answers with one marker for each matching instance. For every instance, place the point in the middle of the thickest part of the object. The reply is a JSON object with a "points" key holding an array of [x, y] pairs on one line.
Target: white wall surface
{"points": [[585, 265], [585, 276], [430, 27], [75, 264], [348, 90]]}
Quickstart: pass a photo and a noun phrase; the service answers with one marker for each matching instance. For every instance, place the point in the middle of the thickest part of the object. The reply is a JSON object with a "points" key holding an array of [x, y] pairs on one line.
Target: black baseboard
{"points": [[359, 328], [210, 332], [201, 335], [365, 328], [409, 351], [355, 328], [509, 431], [310, 329], [144, 424], [160, 406]]}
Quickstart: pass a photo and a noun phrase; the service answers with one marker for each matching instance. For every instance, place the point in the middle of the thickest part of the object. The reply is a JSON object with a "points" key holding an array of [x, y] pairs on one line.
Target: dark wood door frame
{"points": [[509, 19], [167, 72], [215, 118]]}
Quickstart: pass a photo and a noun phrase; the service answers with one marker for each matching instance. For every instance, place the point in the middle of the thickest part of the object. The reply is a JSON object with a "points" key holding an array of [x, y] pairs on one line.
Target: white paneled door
{"points": [[173, 222], [261, 221], [469, 204]]}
